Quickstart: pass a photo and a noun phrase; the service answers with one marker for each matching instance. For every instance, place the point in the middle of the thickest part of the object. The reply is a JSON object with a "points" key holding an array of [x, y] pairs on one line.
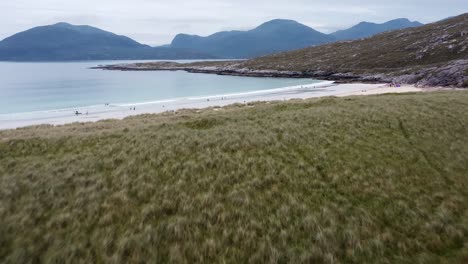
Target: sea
{"points": [[63, 86]]}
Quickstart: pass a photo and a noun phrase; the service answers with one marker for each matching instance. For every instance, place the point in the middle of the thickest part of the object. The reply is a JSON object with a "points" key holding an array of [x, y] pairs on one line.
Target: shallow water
{"points": [[31, 87]]}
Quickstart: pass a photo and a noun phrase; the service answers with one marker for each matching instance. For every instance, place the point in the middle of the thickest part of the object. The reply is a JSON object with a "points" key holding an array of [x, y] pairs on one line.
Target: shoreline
{"points": [[98, 113], [229, 68], [448, 74]]}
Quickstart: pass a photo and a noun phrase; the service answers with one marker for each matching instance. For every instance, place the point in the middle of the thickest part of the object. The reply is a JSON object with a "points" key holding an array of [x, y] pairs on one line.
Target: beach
{"points": [[120, 111]]}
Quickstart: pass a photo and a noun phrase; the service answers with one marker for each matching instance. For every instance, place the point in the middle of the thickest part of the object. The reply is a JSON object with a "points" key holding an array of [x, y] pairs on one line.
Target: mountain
{"points": [[367, 29], [277, 36], [271, 37], [433, 54], [63, 41]]}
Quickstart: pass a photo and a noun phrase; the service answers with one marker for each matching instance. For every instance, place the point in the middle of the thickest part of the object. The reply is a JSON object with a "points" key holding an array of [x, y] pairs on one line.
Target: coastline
{"points": [[449, 74], [233, 68], [121, 111]]}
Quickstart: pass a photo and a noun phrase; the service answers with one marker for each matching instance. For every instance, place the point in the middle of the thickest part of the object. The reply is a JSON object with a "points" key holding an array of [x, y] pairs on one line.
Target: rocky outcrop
{"points": [[452, 74]]}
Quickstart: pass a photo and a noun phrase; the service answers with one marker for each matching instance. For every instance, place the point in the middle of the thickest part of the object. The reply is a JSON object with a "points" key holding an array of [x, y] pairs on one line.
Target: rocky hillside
{"points": [[434, 54]]}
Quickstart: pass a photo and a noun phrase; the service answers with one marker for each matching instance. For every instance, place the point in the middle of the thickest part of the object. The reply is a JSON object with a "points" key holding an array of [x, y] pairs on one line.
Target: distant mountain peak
{"points": [[404, 21], [277, 23], [364, 23], [367, 29], [276, 35], [400, 20], [397, 20], [63, 24]]}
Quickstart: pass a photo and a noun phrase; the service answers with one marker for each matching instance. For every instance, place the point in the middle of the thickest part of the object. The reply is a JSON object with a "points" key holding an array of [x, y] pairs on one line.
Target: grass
{"points": [[378, 179]]}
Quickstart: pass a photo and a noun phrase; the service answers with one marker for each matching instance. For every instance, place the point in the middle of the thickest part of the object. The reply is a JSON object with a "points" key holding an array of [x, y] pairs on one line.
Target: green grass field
{"points": [[378, 179]]}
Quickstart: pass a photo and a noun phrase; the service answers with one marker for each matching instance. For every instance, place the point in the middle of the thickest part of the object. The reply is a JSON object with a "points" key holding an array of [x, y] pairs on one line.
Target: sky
{"points": [[156, 22]]}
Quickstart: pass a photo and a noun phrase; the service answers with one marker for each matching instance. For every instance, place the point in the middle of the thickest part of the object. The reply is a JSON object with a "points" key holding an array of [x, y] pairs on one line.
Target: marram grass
{"points": [[378, 179]]}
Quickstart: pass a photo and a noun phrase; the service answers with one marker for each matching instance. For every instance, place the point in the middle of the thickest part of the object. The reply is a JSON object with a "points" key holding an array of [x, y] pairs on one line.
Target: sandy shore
{"points": [[92, 114]]}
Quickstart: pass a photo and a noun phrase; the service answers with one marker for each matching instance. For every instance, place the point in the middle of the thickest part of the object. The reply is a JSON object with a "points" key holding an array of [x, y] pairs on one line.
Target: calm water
{"points": [[29, 87]]}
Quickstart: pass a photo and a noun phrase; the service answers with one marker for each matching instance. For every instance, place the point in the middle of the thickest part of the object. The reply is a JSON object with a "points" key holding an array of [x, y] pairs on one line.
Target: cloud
{"points": [[157, 21]]}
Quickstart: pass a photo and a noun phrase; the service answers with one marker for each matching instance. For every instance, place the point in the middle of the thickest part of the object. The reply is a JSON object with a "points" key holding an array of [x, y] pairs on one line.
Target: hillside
{"points": [[64, 41], [368, 29], [270, 37], [434, 54], [378, 179]]}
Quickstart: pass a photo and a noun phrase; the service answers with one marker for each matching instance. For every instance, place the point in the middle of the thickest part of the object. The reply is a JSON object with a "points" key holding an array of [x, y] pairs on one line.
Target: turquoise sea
{"points": [[31, 87]]}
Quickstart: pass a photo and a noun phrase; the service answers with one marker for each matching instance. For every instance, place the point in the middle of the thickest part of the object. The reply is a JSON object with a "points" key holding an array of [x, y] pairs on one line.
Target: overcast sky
{"points": [[156, 22]]}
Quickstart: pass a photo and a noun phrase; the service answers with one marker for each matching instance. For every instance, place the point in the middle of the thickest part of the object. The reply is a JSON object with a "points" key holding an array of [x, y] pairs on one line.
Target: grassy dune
{"points": [[378, 179]]}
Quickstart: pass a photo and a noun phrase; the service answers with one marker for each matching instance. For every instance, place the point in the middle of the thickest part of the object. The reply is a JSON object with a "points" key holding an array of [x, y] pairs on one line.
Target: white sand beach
{"points": [[111, 111]]}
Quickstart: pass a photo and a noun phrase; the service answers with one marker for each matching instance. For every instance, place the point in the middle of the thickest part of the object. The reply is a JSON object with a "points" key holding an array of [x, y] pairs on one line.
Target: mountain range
{"points": [[277, 36], [432, 55], [435, 54], [368, 29], [65, 42], [271, 37]]}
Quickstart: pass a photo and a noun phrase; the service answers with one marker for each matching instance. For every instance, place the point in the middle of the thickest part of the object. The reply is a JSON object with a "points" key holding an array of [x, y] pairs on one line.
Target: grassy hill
{"points": [[378, 179]]}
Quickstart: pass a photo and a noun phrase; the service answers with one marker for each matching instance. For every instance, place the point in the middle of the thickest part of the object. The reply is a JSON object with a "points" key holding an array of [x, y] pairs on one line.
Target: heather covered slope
{"points": [[379, 179], [435, 53]]}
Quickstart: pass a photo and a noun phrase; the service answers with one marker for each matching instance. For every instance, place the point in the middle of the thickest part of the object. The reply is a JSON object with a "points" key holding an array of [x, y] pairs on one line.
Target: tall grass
{"points": [[379, 179]]}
